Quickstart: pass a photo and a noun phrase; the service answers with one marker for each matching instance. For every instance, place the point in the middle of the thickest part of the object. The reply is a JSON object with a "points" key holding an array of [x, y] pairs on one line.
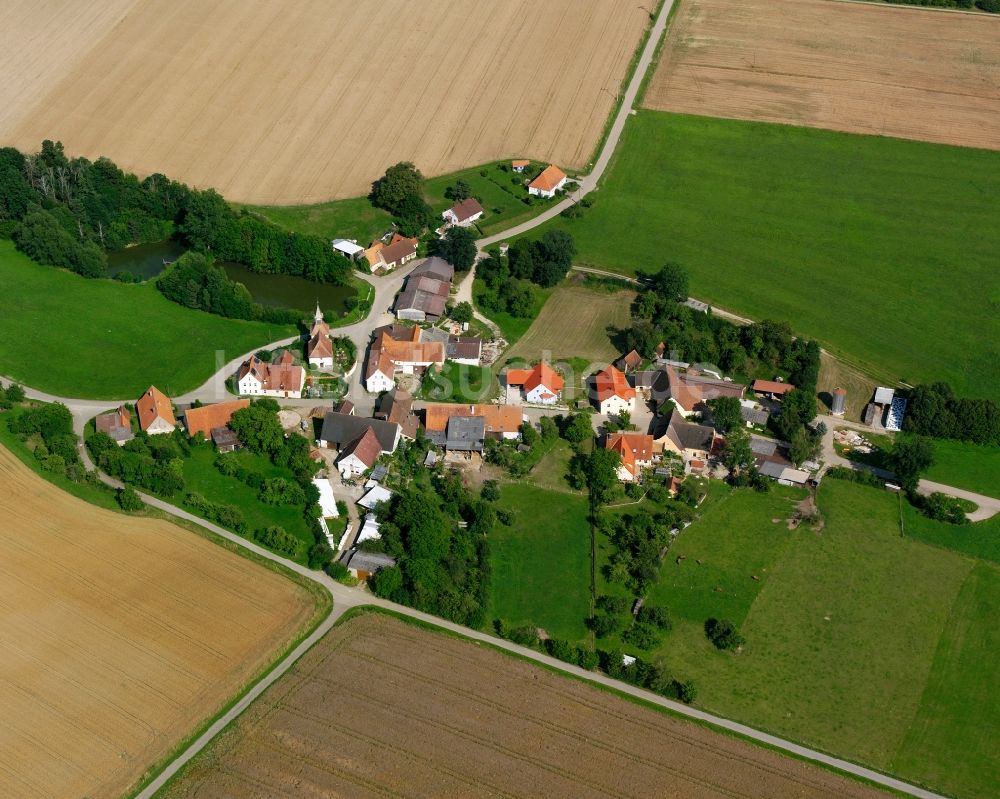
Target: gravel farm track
{"points": [[382, 708], [276, 103], [897, 71], [118, 635]]}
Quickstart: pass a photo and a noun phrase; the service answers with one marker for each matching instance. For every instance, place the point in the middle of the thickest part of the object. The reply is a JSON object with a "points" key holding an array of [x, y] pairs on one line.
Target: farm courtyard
{"points": [[439, 716], [284, 112], [100, 676]]}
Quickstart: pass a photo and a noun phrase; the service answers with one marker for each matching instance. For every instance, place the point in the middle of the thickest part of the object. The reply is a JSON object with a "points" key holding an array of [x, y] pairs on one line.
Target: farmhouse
{"points": [[117, 424], [548, 183], [156, 414], [349, 248], [399, 349], [519, 165], [472, 426], [208, 417], [319, 348], [635, 452], [435, 267], [540, 385], [772, 389], [396, 406], [280, 378], [690, 390], [359, 441], [612, 392], [400, 250], [674, 434], [464, 213], [467, 350]]}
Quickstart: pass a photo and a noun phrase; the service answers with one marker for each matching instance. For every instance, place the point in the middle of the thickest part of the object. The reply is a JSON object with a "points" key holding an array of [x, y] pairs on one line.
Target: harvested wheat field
{"points": [[283, 103], [382, 708], [118, 637], [892, 71]]}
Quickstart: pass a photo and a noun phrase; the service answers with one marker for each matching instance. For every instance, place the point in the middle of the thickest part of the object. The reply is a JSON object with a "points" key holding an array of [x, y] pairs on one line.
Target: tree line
{"points": [[510, 279], [69, 212]]}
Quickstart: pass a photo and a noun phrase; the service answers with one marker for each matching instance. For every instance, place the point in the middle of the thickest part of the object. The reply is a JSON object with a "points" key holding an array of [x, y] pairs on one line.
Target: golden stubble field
{"points": [[118, 637], [382, 708], [892, 71], [283, 103]]}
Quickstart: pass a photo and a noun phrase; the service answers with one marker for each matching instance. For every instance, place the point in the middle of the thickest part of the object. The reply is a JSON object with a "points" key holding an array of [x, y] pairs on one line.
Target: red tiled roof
{"points": [[466, 209], [549, 179], [203, 420], [691, 390], [631, 448], [771, 387], [399, 248], [499, 418], [366, 448], [152, 405], [541, 375], [610, 382]]}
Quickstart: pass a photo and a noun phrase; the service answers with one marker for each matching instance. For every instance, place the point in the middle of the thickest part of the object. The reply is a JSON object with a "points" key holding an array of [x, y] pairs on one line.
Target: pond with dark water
{"points": [[277, 291]]}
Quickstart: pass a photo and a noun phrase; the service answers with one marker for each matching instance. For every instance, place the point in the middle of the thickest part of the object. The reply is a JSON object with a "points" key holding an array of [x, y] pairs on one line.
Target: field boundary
{"points": [[967, 11]]}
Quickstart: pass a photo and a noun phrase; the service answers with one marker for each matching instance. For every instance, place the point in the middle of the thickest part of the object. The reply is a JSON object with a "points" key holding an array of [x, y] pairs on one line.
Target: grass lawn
{"points": [[965, 465], [355, 218], [574, 322], [203, 478], [961, 704], [101, 339], [842, 636], [512, 327], [503, 201], [874, 246], [980, 540], [458, 382], [541, 564]]}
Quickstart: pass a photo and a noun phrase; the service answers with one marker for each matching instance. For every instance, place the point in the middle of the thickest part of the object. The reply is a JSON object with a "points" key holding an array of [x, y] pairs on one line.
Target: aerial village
{"points": [[654, 413]]}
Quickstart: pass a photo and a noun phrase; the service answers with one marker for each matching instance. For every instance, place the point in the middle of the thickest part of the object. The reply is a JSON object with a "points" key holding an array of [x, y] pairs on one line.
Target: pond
{"points": [[145, 261], [289, 291]]}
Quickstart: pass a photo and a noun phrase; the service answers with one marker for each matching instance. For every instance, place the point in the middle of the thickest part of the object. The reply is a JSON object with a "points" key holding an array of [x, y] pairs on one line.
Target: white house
{"points": [[635, 452], [319, 349], [613, 393], [156, 414], [399, 349], [400, 250], [548, 183], [281, 378], [360, 455], [464, 213], [541, 385]]}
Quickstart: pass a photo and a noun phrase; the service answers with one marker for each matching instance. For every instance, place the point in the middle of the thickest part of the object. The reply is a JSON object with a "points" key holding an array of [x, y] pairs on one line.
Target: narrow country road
{"points": [[587, 183]]}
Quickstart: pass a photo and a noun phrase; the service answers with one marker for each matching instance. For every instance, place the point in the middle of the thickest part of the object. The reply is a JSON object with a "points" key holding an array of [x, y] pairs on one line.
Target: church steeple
{"points": [[318, 317]]}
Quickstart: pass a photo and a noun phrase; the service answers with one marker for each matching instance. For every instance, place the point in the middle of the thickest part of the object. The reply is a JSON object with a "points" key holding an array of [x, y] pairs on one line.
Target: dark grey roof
{"points": [[684, 435], [772, 469], [224, 437], [464, 347], [435, 267], [466, 433], [753, 415], [370, 562], [763, 446], [379, 472], [340, 429], [418, 300]]}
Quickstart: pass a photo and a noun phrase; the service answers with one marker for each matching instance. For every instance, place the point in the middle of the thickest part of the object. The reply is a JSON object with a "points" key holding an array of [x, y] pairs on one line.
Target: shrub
{"points": [[277, 538], [561, 650], [603, 625], [643, 636], [128, 499], [656, 616], [615, 605], [337, 570], [525, 635], [490, 491], [722, 633]]}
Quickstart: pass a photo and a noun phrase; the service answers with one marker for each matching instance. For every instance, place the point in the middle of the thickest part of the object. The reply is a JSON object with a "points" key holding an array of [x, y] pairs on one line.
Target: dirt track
{"points": [[382, 708], [287, 103], [891, 71], [118, 636]]}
